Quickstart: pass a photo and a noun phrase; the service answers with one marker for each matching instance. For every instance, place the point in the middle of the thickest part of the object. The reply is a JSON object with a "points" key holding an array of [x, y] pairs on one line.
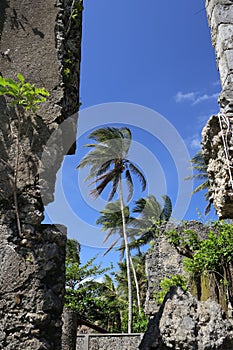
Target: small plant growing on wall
{"points": [[165, 285], [25, 97]]}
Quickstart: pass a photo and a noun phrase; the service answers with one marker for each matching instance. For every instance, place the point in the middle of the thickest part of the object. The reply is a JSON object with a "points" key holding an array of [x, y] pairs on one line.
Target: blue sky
{"points": [[158, 56]]}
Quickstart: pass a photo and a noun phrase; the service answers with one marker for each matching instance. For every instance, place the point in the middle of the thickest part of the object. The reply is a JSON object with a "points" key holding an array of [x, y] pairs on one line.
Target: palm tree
{"points": [[108, 161], [152, 216], [200, 168], [121, 278], [111, 221]]}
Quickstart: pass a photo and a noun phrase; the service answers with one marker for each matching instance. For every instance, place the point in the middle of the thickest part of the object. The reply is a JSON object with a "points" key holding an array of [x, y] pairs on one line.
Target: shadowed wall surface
{"points": [[39, 39]]}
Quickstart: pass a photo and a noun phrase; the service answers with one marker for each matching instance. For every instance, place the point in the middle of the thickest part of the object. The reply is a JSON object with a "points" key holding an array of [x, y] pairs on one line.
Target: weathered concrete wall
{"points": [[217, 134], [40, 39], [108, 341]]}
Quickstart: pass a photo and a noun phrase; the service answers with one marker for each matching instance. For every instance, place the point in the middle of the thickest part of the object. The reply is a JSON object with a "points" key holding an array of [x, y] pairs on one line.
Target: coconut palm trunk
{"points": [[136, 285], [127, 256]]}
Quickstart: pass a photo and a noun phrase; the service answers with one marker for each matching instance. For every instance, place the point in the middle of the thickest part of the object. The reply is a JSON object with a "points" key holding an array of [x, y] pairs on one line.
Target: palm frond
{"points": [[109, 234], [127, 137], [139, 205], [139, 174], [130, 184], [104, 179], [201, 173], [207, 208], [99, 155], [148, 207], [111, 246], [202, 186], [115, 183], [167, 209], [104, 134], [103, 168]]}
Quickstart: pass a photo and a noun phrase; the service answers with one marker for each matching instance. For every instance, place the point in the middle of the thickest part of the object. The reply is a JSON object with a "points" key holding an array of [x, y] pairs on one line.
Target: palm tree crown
{"points": [[108, 160], [152, 215], [111, 221]]}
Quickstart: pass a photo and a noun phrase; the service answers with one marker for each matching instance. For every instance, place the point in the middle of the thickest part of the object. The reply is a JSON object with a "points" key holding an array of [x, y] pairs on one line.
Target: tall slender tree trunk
{"points": [[127, 256], [16, 170], [136, 285]]}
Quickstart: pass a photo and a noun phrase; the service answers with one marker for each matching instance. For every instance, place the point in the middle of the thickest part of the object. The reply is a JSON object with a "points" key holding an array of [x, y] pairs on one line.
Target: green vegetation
{"points": [[22, 93], [151, 216], [208, 261], [77, 8], [79, 278], [208, 254], [103, 301], [24, 97], [213, 252], [167, 283]]}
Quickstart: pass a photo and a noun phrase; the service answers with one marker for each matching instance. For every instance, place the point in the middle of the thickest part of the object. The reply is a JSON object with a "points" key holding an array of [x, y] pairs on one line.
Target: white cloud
{"points": [[194, 97], [195, 143], [205, 97], [181, 97]]}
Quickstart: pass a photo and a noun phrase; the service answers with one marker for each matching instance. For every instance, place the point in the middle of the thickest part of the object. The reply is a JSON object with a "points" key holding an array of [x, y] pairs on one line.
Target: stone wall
{"points": [[163, 260], [199, 319], [217, 138], [31, 290], [40, 39], [108, 341], [182, 322]]}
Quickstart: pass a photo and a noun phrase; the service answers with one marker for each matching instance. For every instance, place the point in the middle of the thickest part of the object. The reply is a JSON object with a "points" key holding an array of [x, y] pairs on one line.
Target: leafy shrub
{"points": [[167, 283]]}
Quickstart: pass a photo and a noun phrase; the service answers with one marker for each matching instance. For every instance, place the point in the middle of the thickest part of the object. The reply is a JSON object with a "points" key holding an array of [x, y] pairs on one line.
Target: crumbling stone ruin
{"points": [[183, 322], [217, 139], [163, 260], [200, 318], [41, 40]]}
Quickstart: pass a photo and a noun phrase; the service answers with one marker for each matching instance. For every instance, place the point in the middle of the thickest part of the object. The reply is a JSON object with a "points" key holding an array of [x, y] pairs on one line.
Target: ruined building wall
{"points": [[164, 261], [217, 141], [40, 39], [200, 318]]}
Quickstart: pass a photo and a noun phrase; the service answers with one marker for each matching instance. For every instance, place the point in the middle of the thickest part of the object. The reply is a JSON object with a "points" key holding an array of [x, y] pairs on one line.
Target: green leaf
{"points": [[21, 78]]}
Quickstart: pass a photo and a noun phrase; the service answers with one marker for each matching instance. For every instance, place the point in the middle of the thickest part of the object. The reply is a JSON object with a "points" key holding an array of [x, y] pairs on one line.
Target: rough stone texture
{"points": [[163, 260], [108, 341], [219, 169], [69, 329], [31, 290], [42, 41], [182, 322], [220, 18]]}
